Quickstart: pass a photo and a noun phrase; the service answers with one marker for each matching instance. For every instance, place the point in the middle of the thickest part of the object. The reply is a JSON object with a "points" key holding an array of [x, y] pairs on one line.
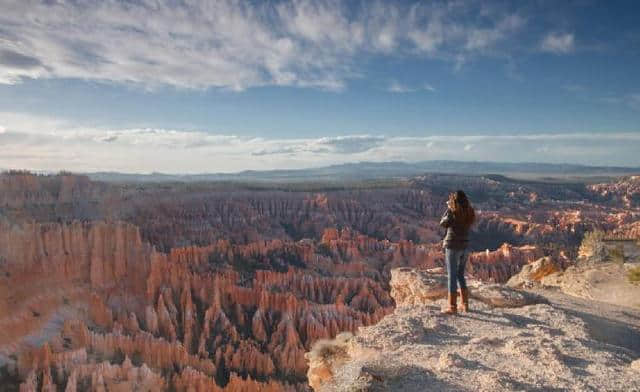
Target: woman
{"points": [[457, 220]]}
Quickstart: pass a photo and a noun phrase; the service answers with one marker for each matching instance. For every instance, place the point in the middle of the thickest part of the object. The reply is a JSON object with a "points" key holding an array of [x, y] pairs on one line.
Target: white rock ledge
{"points": [[510, 341]]}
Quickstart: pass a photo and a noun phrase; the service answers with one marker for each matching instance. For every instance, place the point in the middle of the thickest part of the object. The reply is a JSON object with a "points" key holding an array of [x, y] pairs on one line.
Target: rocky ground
{"points": [[597, 280], [606, 282], [553, 342]]}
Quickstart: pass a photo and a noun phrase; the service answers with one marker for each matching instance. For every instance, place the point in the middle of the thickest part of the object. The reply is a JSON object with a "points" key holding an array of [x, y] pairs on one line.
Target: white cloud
{"points": [[348, 144], [429, 87], [235, 44], [40, 143], [558, 43], [396, 87], [483, 38]]}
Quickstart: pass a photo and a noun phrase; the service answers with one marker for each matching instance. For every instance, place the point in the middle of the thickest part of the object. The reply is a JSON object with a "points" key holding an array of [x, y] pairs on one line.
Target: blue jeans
{"points": [[456, 260]]}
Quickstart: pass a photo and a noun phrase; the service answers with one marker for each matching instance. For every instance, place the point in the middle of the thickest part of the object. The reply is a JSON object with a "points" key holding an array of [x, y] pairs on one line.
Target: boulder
{"points": [[499, 296], [414, 287], [531, 274]]}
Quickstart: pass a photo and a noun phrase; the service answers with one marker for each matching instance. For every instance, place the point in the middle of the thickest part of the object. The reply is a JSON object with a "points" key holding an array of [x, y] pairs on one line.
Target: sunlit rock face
{"points": [[626, 191], [207, 287], [499, 265], [186, 313]]}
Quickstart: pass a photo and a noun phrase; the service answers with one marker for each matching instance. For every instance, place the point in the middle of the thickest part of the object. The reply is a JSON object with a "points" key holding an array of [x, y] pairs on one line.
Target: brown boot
{"points": [[464, 298], [453, 306]]}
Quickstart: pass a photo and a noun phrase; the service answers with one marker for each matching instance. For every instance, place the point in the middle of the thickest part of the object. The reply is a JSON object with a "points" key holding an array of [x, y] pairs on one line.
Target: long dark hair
{"points": [[461, 207]]}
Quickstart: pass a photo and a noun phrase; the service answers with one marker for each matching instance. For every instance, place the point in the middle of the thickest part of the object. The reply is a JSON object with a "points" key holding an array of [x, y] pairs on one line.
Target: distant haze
{"points": [[365, 171]]}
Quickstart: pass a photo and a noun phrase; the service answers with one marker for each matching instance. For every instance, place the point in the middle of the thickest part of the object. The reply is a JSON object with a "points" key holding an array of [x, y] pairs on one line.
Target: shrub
{"points": [[324, 250], [216, 259], [136, 358], [592, 246], [634, 275], [118, 357]]}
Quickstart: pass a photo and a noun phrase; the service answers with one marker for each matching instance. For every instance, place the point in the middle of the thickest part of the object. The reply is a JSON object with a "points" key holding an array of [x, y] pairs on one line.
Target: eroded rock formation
{"points": [[626, 191], [186, 313], [209, 287], [499, 265]]}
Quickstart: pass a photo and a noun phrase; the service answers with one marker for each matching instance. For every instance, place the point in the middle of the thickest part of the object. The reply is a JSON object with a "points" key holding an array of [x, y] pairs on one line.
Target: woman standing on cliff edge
{"points": [[457, 220]]}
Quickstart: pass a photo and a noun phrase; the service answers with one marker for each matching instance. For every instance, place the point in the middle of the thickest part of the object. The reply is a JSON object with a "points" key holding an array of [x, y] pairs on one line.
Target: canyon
{"points": [[219, 286]]}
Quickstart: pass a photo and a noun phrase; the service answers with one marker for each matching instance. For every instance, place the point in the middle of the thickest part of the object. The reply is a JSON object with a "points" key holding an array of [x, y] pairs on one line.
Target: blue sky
{"points": [[204, 86]]}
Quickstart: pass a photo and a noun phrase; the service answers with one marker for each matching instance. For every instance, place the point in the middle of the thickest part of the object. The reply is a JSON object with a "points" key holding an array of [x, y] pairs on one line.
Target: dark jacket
{"points": [[457, 236]]}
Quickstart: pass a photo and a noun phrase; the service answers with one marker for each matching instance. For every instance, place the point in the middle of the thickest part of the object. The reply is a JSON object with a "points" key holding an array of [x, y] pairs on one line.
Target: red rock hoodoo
{"points": [[197, 287]]}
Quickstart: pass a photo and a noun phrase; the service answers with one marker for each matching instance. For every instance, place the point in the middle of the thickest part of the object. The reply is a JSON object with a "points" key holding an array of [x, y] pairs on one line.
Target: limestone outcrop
{"points": [[525, 345], [99, 253], [533, 273], [411, 287], [604, 282]]}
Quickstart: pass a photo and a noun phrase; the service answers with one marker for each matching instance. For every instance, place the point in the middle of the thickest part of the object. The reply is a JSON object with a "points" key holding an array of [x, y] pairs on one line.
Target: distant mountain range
{"points": [[380, 170]]}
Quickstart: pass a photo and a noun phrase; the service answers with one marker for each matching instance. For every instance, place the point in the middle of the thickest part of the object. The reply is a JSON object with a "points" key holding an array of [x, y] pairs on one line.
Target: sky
{"points": [[197, 86]]}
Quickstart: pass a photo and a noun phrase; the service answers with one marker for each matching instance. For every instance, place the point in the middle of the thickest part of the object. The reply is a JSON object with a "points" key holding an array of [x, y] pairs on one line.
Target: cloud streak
{"points": [[237, 45], [38, 143], [558, 43], [399, 88], [630, 100]]}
